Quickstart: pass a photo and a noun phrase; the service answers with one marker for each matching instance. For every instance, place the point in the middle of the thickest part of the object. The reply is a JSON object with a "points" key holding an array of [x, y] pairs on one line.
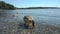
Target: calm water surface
{"points": [[45, 16]]}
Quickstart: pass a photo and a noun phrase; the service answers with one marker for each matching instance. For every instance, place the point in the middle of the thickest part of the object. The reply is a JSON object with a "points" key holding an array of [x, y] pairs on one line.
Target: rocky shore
{"points": [[11, 25], [41, 29]]}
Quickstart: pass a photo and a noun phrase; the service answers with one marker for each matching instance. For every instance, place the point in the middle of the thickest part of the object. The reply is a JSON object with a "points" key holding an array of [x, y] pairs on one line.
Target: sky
{"points": [[33, 3]]}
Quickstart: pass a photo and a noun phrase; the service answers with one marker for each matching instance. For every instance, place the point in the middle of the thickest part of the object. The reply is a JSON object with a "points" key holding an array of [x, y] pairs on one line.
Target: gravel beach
{"points": [[41, 29], [10, 25]]}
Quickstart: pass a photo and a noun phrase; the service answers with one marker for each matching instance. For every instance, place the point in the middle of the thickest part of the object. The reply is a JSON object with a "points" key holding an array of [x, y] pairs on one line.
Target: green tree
{"points": [[4, 5]]}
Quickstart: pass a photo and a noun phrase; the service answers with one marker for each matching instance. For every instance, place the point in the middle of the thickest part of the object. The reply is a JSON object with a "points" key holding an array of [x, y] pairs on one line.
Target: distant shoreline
{"points": [[40, 8]]}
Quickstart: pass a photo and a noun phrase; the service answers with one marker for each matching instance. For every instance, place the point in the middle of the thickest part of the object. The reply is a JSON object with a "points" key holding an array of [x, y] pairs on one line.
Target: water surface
{"points": [[10, 20], [49, 16]]}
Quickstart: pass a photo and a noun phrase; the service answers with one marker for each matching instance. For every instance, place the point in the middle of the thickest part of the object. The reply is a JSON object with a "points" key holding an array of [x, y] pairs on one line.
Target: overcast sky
{"points": [[33, 3]]}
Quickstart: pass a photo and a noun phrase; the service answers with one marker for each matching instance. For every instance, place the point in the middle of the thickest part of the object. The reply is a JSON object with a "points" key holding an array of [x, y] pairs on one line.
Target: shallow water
{"points": [[12, 20], [50, 16]]}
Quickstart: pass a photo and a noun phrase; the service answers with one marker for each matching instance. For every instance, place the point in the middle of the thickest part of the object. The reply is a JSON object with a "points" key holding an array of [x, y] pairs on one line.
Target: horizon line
{"points": [[39, 6]]}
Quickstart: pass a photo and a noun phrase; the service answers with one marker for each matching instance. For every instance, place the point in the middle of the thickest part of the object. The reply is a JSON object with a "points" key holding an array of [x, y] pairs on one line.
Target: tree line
{"points": [[4, 5]]}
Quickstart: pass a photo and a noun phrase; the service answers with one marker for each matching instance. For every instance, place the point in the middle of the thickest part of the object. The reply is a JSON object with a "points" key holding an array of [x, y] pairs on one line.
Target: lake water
{"points": [[46, 16], [9, 19]]}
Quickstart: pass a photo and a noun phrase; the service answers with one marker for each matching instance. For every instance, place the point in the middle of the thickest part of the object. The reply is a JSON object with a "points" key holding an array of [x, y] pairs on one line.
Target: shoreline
{"points": [[44, 29]]}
